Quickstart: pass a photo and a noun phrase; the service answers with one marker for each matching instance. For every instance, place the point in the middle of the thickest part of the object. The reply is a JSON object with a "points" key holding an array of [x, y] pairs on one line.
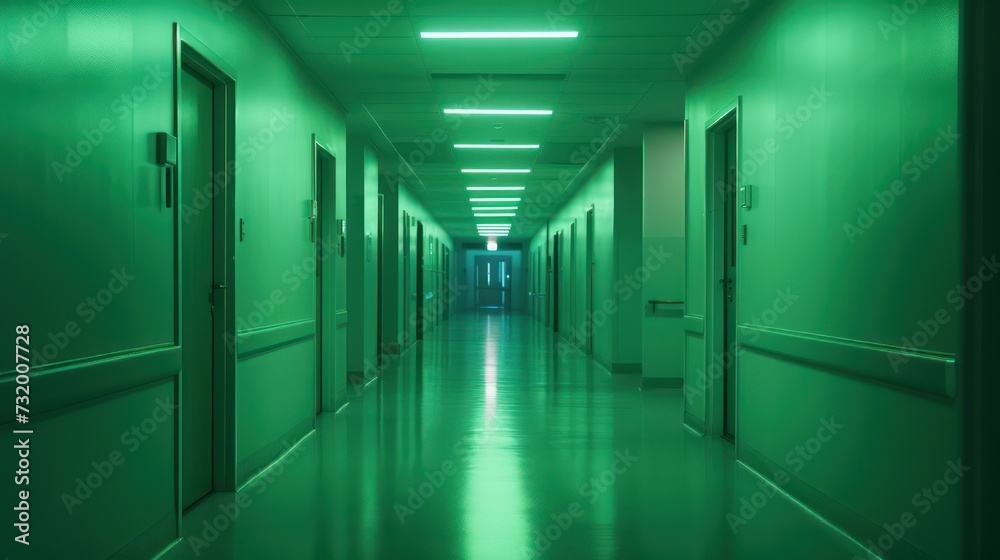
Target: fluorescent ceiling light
{"points": [[491, 171], [497, 112], [492, 246], [494, 200], [494, 188], [499, 34], [508, 226], [493, 235], [497, 146], [493, 215], [494, 229], [488, 208]]}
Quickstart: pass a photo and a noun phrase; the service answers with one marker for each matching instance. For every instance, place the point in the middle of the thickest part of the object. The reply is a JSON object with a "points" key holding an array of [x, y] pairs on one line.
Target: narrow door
{"points": [[407, 294], [197, 238], [588, 332], [556, 265], [730, 240], [379, 338], [420, 281], [572, 332], [446, 291], [325, 238]]}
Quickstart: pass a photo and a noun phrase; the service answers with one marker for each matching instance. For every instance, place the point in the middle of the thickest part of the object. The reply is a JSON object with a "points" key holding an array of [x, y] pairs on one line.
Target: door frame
{"points": [[715, 327], [326, 225], [188, 50]]}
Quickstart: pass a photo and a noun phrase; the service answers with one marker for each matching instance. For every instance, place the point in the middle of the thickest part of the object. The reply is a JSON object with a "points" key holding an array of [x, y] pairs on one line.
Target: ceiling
{"points": [[618, 73]]}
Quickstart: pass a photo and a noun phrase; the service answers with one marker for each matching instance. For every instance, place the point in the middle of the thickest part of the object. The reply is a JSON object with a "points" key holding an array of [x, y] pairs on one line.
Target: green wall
{"points": [[597, 191], [399, 201], [629, 262], [664, 176], [837, 101], [614, 189], [100, 213]]}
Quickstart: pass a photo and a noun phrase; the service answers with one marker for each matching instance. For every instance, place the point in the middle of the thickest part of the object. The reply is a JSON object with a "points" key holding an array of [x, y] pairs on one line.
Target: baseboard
{"points": [[694, 424], [153, 542], [662, 383], [339, 399], [853, 524], [626, 369], [260, 459], [601, 362]]}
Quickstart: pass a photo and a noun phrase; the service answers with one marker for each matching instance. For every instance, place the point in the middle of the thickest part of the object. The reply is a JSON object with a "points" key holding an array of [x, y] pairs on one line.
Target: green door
{"points": [[196, 306]]}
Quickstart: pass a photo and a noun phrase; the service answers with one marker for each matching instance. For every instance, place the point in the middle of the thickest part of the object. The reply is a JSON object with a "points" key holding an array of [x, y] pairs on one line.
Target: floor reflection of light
{"points": [[495, 508], [490, 373]]}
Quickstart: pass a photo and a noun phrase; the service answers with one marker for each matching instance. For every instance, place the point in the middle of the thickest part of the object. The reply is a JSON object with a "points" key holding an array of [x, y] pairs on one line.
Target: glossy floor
{"points": [[486, 442]]}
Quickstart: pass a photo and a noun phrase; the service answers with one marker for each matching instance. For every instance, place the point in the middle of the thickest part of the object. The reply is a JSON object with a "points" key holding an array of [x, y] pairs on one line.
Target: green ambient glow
{"points": [[497, 146], [498, 215], [496, 171], [497, 112], [494, 200], [488, 208], [499, 34], [494, 188]]}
